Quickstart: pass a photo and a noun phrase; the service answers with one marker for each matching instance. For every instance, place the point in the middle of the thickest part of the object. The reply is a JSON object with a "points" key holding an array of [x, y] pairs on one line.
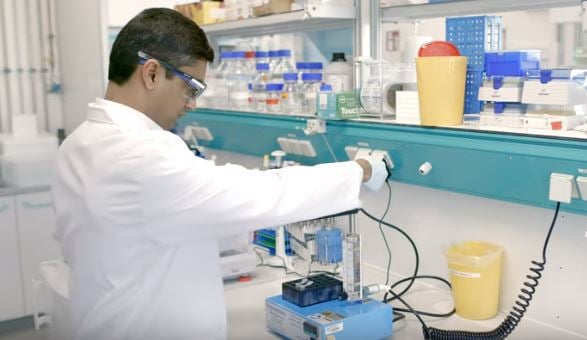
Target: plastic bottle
{"points": [[338, 73], [250, 61], [301, 67], [261, 57], [250, 98], [323, 97], [274, 97], [315, 67], [225, 59], [237, 79], [290, 96], [310, 88], [284, 65], [329, 245], [259, 94], [273, 60], [325, 87]]}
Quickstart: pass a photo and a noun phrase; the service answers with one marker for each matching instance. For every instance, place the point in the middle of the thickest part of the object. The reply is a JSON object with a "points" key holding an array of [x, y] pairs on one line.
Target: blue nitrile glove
{"points": [[379, 173]]}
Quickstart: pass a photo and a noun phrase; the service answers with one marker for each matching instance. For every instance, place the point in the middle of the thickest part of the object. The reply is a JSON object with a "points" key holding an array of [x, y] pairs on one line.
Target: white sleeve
{"points": [[186, 198]]}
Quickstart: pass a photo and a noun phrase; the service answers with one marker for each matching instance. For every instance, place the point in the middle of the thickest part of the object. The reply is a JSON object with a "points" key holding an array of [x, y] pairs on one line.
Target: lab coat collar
{"points": [[107, 111]]}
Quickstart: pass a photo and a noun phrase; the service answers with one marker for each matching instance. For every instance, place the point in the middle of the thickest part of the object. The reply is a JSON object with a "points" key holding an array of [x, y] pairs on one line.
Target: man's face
{"points": [[170, 102]]}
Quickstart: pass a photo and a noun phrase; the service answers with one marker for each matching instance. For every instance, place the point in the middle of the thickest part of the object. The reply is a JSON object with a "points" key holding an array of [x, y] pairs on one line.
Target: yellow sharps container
{"points": [[441, 90], [475, 273]]}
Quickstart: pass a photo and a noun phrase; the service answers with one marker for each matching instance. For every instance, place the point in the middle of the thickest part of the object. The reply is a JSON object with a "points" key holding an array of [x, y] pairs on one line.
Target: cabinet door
{"points": [[36, 225], [11, 299]]}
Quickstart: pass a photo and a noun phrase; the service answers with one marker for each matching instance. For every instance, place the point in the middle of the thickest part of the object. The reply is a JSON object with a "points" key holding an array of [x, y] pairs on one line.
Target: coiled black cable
{"points": [[516, 314]]}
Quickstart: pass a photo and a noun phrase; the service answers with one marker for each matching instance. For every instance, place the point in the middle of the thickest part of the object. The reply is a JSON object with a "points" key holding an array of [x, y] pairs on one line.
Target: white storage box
{"points": [[24, 125], [407, 108], [25, 145], [22, 171]]}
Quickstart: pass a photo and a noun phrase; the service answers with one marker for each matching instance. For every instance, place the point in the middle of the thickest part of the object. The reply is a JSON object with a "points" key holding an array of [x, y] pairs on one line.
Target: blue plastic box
{"points": [[473, 36], [511, 63]]}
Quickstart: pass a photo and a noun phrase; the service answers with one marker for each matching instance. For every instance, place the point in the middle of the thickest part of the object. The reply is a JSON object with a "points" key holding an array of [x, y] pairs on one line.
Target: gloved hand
{"points": [[379, 173]]}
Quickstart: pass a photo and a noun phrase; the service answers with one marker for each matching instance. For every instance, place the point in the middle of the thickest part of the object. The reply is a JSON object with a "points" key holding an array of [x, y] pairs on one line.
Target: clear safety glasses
{"points": [[194, 87]]}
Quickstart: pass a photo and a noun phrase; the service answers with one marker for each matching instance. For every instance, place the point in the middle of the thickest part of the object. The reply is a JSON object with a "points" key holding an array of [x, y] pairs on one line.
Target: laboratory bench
{"points": [[245, 303]]}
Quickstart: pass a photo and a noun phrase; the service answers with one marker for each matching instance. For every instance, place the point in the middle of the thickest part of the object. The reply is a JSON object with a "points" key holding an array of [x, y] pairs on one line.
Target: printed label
{"points": [[283, 321], [323, 101], [339, 83], [465, 274], [326, 317], [334, 328]]}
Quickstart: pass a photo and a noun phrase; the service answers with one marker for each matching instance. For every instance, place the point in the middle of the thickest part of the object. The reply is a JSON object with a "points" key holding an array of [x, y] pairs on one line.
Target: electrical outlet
{"points": [[314, 126], [562, 188], [189, 132], [351, 151], [362, 153], [383, 154], [582, 184]]}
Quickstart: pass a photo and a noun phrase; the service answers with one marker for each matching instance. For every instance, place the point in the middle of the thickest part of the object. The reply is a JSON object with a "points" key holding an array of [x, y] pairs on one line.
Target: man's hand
{"points": [[374, 172]]}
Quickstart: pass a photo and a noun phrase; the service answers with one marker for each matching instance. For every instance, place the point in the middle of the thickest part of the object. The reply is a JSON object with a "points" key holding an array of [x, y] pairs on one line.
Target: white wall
{"points": [[81, 29], [26, 53], [434, 218]]}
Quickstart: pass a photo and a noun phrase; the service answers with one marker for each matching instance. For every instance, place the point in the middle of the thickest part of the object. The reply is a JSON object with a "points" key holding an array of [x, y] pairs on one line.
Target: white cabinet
{"points": [[36, 225], [11, 292]]}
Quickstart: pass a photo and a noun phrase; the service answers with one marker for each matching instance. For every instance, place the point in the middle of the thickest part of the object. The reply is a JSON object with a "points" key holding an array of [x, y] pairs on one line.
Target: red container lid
{"points": [[438, 49]]}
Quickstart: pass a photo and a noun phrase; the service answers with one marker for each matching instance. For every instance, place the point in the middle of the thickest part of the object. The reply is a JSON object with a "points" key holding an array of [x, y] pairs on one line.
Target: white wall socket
{"points": [[582, 184], [562, 188], [314, 126]]}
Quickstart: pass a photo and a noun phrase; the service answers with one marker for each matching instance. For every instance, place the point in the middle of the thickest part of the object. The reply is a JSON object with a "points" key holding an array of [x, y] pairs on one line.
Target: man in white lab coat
{"points": [[138, 215]]}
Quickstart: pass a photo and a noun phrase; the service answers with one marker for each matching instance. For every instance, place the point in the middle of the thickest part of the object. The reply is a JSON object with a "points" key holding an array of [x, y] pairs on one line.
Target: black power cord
{"points": [[505, 328], [414, 276]]}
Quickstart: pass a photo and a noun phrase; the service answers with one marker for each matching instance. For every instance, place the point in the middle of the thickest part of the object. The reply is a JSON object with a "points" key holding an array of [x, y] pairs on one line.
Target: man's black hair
{"points": [[161, 33]]}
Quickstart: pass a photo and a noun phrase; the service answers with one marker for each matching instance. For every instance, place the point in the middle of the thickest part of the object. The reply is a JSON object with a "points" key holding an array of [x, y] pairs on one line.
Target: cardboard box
{"points": [[339, 106], [203, 13], [272, 7]]}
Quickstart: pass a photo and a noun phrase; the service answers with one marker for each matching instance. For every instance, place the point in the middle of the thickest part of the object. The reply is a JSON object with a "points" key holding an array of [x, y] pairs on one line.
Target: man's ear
{"points": [[149, 73]]}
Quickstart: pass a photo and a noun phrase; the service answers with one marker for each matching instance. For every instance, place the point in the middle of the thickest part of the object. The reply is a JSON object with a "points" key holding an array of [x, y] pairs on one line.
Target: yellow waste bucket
{"points": [[475, 273], [441, 90]]}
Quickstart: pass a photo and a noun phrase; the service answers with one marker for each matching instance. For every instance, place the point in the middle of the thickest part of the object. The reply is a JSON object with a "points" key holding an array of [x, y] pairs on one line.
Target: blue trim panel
{"points": [[508, 167]]}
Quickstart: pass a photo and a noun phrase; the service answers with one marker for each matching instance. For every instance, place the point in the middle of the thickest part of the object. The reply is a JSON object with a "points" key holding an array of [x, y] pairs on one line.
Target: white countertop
{"points": [[246, 310]]}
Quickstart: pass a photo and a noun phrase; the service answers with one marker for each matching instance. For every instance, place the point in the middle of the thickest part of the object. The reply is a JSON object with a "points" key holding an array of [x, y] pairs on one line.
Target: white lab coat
{"points": [[138, 217]]}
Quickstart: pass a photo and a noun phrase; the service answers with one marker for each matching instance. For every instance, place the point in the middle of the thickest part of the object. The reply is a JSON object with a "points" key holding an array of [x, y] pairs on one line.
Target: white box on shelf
{"points": [[552, 122], [407, 109], [22, 171], [504, 94], [25, 145], [24, 125], [510, 120]]}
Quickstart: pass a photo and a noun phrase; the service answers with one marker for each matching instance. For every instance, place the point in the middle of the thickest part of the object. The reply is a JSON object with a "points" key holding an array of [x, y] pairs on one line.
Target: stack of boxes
{"points": [[204, 12], [474, 36], [505, 73], [207, 12]]}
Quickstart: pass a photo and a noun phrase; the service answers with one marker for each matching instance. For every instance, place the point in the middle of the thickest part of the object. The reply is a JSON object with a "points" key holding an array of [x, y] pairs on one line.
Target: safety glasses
{"points": [[194, 87]]}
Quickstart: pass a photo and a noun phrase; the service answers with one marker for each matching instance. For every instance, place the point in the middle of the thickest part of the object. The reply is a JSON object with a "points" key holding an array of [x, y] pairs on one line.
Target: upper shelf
{"points": [[467, 7], [311, 18]]}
